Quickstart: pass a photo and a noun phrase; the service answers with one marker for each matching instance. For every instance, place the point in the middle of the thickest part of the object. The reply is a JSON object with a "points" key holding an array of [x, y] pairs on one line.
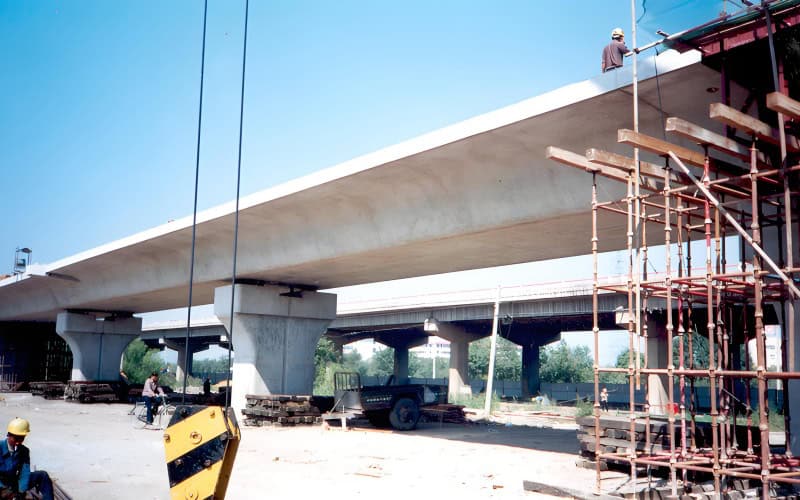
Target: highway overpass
{"points": [[476, 194], [532, 316]]}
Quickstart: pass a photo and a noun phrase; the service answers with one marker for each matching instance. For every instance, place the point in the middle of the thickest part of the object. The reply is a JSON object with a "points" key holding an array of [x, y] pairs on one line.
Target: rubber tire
{"points": [[404, 415], [139, 417]]}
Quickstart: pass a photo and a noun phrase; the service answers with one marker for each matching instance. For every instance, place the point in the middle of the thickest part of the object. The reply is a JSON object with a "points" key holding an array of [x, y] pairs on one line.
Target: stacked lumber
{"points": [[280, 409], [48, 390], [91, 392], [445, 412]]}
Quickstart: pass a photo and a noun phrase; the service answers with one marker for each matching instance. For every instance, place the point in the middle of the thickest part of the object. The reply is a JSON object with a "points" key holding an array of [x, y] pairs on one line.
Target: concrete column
{"points": [[658, 353], [401, 365], [97, 344], [179, 346], [338, 346], [401, 342], [530, 383], [458, 377], [531, 341], [792, 386], [274, 337]]}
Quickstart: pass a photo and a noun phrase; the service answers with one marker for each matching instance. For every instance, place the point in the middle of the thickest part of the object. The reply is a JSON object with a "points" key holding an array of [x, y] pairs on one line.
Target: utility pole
{"points": [[492, 351]]}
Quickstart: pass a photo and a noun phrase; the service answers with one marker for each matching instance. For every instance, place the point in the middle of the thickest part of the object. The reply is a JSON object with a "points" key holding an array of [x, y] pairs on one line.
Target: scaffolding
{"points": [[695, 199]]}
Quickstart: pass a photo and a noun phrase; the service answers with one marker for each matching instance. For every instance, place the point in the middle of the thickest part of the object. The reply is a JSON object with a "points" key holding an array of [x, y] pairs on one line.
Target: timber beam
{"points": [[749, 125], [659, 147], [783, 104], [705, 137], [663, 148], [628, 164], [575, 160]]}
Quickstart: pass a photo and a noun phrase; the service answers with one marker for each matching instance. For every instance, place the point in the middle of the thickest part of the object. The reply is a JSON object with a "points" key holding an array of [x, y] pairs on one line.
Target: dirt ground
{"points": [[94, 452]]}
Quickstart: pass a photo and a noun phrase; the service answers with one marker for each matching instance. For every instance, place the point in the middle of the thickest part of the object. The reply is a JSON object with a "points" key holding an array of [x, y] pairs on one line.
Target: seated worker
{"points": [[16, 477], [150, 393]]}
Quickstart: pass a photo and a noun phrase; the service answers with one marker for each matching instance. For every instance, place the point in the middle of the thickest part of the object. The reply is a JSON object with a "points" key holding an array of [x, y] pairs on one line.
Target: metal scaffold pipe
{"points": [[775, 268]]}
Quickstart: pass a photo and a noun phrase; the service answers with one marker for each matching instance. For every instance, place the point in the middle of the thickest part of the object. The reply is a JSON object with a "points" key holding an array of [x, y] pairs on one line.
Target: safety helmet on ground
{"points": [[19, 427], [617, 33]]}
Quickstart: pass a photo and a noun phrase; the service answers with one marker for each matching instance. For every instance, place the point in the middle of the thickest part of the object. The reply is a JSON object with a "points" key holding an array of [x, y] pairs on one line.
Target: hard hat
{"points": [[617, 33], [19, 427]]}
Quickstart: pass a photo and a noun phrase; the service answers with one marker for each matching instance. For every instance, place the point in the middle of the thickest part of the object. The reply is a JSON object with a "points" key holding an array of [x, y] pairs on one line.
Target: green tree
{"points": [[140, 361], [381, 364], [218, 365], [507, 363], [328, 362], [562, 363], [617, 378], [419, 367], [699, 350]]}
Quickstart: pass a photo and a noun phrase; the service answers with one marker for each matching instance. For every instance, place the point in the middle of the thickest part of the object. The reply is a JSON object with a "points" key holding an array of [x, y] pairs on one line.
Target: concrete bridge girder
{"points": [[275, 337], [97, 344]]}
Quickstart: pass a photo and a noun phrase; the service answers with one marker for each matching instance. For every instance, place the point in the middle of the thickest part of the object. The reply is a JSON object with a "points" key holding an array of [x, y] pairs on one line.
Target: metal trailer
{"points": [[396, 406]]}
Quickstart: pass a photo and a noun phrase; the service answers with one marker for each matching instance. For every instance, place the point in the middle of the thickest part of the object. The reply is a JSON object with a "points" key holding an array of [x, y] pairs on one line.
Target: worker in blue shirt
{"points": [[16, 477]]}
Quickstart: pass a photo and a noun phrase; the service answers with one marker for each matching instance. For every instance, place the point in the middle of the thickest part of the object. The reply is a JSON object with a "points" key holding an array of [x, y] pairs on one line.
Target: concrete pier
{"points": [[274, 337], [97, 344]]}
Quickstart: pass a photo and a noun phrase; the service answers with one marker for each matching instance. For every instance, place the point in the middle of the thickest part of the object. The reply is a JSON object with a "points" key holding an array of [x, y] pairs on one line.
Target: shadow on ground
{"points": [[518, 436]]}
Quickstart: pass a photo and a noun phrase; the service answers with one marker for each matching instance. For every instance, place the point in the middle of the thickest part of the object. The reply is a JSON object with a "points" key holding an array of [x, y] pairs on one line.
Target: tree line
{"points": [[558, 363]]}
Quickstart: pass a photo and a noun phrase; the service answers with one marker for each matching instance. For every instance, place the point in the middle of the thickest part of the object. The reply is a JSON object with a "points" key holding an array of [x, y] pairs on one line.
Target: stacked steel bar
{"points": [[95, 392], [445, 412], [48, 390], [279, 409], [732, 299]]}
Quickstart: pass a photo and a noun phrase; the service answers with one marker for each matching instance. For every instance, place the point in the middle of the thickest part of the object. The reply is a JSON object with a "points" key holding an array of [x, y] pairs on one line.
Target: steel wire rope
{"points": [[236, 211], [194, 211]]}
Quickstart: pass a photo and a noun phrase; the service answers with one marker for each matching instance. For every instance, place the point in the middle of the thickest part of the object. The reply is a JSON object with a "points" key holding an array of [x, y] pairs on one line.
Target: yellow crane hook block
{"points": [[200, 445]]}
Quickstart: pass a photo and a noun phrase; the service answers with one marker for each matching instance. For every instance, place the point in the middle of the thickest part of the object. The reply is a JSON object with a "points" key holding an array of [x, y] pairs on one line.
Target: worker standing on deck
{"points": [[614, 51], [150, 393], [15, 465]]}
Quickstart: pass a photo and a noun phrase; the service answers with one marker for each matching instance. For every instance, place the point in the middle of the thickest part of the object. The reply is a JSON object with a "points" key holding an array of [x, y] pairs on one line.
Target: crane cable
{"points": [[236, 211], [194, 213]]}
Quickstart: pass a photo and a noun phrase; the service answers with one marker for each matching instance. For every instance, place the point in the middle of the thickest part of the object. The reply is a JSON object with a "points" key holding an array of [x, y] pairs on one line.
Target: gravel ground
{"points": [[94, 452]]}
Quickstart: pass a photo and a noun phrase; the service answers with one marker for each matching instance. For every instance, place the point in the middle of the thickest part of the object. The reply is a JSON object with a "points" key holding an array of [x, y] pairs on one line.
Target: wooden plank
{"points": [[711, 139], [741, 121], [783, 104], [625, 163], [575, 160], [659, 147]]}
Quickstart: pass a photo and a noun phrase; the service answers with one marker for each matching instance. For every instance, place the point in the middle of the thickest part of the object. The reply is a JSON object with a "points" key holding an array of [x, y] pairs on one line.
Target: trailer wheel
{"points": [[404, 414]]}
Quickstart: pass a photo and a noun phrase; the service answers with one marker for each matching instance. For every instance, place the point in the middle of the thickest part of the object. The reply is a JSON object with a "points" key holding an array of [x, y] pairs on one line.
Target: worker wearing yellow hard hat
{"points": [[16, 478], [614, 51]]}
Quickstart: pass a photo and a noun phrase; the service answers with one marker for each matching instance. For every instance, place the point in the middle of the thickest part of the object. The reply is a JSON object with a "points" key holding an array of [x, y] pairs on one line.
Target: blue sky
{"points": [[99, 99]]}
